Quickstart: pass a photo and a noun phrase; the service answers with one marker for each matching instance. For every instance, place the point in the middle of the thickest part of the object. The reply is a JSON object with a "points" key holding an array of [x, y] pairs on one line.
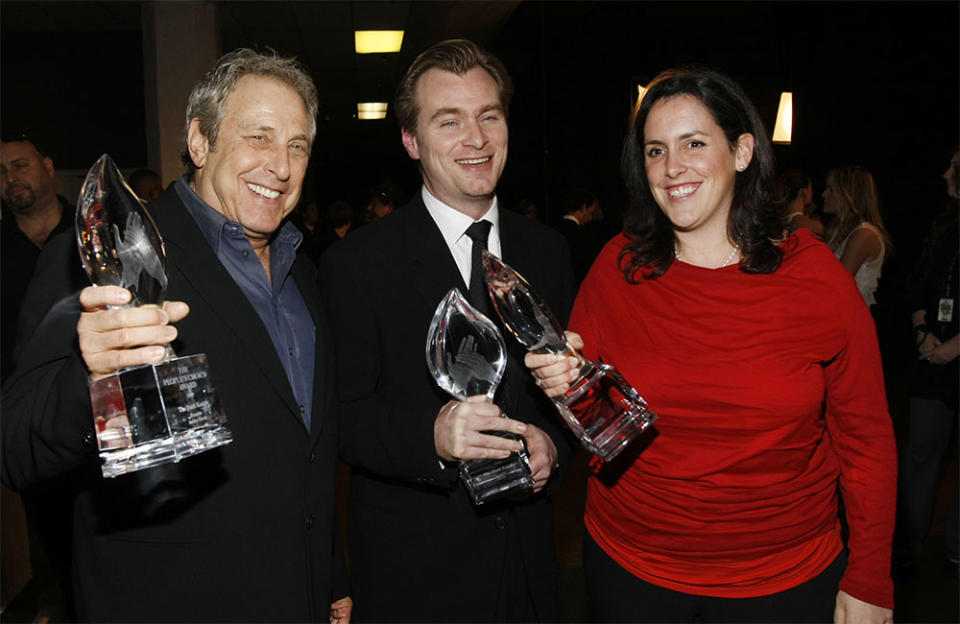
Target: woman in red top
{"points": [[759, 355]]}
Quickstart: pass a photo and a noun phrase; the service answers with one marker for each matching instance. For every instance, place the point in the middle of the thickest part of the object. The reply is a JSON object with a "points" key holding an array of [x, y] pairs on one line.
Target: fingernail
{"points": [[169, 332], [156, 353], [121, 296], [523, 428]]}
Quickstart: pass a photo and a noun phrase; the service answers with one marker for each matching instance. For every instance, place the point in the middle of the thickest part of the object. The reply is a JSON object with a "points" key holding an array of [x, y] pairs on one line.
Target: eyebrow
{"points": [[271, 129], [452, 110], [685, 135], [491, 107]]}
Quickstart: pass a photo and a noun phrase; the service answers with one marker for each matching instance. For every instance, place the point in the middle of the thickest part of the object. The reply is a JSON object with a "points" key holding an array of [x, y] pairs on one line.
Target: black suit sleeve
{"points": [[58, 274], [376, 434], [47, 420]]}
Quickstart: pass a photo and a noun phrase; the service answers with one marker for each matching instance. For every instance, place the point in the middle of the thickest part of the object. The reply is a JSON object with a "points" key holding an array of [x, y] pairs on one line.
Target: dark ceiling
{"points": [[320, 34]]}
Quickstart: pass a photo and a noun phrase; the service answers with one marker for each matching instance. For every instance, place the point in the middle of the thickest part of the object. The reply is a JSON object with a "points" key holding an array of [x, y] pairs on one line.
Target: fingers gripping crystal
{"points": [[144, 415]]}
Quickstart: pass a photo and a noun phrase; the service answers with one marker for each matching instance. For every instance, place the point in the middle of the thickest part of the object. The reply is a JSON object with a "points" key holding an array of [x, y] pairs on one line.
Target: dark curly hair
{"points": [[754, 222]]}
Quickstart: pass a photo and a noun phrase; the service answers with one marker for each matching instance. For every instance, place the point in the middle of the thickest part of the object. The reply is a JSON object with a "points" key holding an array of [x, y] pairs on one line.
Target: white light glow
{"points": [[783, 129]]}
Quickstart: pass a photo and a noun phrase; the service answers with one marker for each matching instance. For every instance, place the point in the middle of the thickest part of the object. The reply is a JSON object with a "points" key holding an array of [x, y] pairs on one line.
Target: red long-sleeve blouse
{"points": [[770, 393]]}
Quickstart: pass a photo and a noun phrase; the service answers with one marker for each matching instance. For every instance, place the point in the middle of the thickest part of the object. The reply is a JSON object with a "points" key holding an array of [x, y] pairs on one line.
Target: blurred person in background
{"points": [[934, 393], [857, 236], [794, 192], [146, 183]]}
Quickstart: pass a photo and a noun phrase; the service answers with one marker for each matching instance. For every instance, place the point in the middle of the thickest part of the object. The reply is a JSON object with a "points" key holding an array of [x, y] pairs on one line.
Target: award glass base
{"points": [[490, 479], [603, 410], [156, 414]]}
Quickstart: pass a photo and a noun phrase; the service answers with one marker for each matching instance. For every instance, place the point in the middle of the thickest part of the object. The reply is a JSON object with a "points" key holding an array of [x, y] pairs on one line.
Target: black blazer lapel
{"points": [[433, 269], [189, 253], [305, 275]]}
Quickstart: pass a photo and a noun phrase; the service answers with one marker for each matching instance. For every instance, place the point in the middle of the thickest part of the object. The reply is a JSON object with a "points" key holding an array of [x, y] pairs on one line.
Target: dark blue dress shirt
{"points": [[277, 301]]}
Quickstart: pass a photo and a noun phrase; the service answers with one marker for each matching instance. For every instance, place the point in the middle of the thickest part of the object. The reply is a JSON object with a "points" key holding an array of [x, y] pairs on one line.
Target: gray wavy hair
{"points": [[209, 94]]}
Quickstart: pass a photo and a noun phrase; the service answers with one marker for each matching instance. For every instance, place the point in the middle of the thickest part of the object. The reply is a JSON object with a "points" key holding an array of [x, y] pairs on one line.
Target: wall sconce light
{"points": [[783, 129], [371, 110], [377, 41]]}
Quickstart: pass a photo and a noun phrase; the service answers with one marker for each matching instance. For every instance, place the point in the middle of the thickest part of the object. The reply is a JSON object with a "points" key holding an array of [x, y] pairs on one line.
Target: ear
{"points": [[197, 144], [48, 166], [743, 152], [409, 141]]}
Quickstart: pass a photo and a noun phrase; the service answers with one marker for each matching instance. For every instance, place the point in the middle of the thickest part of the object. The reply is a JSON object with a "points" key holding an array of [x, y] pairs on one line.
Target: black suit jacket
{"points": [[245, 532], [419, 549]]}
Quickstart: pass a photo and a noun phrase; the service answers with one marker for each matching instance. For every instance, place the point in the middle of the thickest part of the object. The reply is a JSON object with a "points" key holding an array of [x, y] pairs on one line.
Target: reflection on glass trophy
{"points": [[158, 413], [467, 356], [600, 407]]}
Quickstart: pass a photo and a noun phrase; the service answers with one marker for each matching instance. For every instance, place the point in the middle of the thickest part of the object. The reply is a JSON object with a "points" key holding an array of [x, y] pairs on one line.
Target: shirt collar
{"points": [[215, 225], [453, 224]]}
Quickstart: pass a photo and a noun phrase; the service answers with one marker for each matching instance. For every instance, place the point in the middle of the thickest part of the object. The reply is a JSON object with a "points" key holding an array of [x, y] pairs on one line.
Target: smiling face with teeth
{"points": [[691, 166], [255, 173], [461, 138]]}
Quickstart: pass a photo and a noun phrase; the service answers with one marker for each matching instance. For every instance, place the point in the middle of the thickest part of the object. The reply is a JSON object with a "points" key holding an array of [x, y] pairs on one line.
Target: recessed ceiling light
{"points": [[371, 110], [377, 41]]}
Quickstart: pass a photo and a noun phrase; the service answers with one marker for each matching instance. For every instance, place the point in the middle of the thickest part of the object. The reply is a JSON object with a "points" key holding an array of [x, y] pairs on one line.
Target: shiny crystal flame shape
{"points": [[521, 308], [465, 351], [118, 241]]}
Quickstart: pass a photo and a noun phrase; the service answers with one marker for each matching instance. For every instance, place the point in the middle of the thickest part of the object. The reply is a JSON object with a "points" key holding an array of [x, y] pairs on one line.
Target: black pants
{"points": [[931, 424], [513, 602], [618, 596]]}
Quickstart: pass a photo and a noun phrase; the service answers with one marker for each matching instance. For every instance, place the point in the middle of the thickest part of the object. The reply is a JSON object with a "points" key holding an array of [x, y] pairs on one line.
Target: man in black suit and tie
{"points": [[420, 550], [247, 531]]}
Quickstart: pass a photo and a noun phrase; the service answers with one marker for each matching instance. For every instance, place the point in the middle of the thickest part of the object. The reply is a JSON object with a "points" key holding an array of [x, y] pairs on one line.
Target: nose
{"points": [[674, 164], [279, 162], [474, 136]]}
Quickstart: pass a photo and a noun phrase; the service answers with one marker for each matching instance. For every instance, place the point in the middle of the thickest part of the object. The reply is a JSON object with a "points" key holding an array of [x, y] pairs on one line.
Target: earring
{"points": [[739, 167]]}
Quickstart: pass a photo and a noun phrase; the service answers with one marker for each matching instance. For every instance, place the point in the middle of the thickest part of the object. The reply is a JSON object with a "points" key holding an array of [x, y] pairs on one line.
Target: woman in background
{"points": [[858, 237], [757, 352], [794, 193]]}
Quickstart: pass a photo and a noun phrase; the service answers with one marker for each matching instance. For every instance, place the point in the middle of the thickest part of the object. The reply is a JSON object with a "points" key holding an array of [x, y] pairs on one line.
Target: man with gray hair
{"points": [[244, 532]]}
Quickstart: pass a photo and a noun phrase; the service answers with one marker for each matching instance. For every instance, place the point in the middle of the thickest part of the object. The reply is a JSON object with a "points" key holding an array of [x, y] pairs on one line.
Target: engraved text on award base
{"points": [[154, 414]]}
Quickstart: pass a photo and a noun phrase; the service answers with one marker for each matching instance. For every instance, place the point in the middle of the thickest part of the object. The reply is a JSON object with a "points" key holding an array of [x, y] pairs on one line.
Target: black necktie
{"points": [[478, 232]]}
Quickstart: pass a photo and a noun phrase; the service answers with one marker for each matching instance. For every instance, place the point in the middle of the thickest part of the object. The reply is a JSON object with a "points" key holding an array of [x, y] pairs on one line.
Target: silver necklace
{"points": [[736, 248]]}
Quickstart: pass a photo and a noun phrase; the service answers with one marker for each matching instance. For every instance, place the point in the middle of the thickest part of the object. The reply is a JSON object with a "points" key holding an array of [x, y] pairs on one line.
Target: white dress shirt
{"points": [[453, 226]]}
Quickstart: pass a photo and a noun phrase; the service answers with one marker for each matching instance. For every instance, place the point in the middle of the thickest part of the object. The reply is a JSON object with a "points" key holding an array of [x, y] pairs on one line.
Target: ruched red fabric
{"points": [[770, 392]]}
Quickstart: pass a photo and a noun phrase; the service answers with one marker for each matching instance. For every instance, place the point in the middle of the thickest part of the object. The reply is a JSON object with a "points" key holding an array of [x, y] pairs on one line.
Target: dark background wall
{"points": [[875, 83]]}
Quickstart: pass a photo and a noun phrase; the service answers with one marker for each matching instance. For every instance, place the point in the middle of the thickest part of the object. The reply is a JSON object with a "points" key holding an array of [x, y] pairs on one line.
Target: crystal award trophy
{"points": [[600, 407], [157, 413], [466, 355]]}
